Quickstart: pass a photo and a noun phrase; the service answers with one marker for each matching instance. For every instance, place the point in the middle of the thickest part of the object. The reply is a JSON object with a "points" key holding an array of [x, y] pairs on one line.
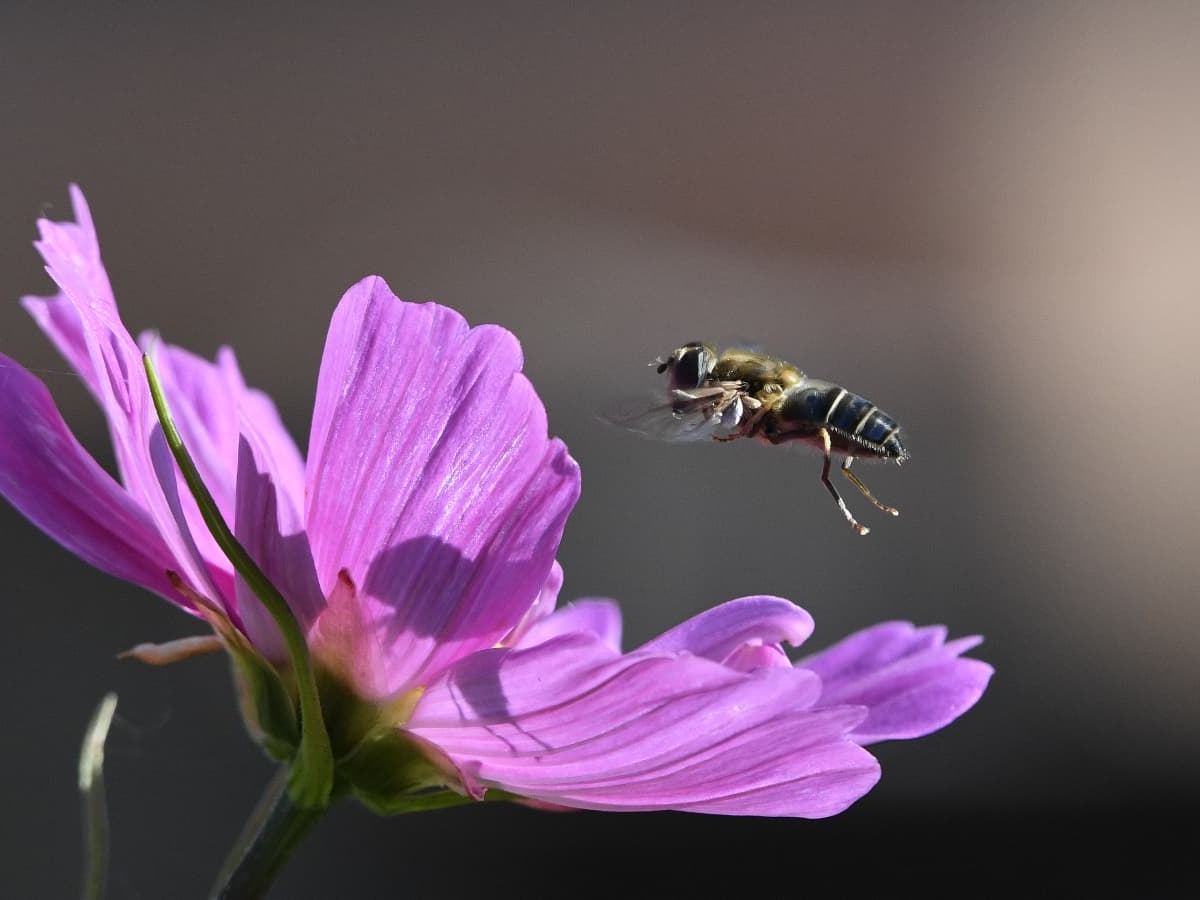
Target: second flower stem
{"points": [[273, 831]]}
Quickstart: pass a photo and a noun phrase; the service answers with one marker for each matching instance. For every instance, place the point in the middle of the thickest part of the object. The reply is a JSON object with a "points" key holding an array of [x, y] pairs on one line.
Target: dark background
{"points": [[983, 217]]}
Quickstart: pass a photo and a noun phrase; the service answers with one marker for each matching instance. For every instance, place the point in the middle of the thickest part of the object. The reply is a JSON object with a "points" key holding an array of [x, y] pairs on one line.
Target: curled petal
{"points": [[909, 678], [431, 479], [571, 723], [749, 657], [726, 629]]}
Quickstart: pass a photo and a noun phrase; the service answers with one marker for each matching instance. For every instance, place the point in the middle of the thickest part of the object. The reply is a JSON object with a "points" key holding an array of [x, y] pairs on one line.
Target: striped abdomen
{"points": [[855, 424]]}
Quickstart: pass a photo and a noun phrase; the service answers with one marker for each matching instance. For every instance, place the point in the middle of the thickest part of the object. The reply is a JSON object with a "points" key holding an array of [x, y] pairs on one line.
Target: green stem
{"points": [[95, 807], [273, 831], [311, 780]]}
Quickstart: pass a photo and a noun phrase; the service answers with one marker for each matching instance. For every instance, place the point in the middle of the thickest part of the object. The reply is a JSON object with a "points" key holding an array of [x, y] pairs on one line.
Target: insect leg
{"points": [[862, 487], [828, 445]]}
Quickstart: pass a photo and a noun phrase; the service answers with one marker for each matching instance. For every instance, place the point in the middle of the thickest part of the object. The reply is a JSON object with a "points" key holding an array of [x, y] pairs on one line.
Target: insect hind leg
{"points": [[827, 443], [858, 483]]}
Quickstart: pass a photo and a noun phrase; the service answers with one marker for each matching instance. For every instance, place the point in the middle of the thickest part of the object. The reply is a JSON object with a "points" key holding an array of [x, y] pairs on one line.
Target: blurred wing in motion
{"points": [[696, 415]]}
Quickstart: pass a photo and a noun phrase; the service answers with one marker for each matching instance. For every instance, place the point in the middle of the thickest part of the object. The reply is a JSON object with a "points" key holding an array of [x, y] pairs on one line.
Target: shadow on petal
{"points": [[426, 606]]}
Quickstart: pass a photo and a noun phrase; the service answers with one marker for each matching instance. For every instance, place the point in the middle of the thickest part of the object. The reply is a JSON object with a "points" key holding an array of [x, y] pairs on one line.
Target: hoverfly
{"points": [[738, 393]]}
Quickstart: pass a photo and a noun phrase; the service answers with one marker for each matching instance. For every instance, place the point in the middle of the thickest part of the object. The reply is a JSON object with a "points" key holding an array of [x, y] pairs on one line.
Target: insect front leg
{"points": [[757, 411], [862, 487], [827, 443]]}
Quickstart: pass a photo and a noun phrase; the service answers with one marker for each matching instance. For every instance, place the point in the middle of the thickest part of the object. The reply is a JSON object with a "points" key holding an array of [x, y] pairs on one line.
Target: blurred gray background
{"points": [[983, 217]]}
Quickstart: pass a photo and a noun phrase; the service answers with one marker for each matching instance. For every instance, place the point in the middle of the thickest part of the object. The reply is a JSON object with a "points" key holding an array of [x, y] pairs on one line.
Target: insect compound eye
{"points": [[691, 365]]}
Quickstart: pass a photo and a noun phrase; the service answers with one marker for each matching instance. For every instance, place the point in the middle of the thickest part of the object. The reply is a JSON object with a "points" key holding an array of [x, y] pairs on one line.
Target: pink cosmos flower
{"points": [[415, 545]]}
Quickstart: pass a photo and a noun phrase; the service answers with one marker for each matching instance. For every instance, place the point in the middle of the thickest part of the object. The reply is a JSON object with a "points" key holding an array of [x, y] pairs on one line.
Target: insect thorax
{"points": [[757, 371]]}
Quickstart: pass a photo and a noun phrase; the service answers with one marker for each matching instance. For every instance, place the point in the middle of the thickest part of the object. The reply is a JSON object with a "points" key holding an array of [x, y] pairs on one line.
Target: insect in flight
{"points": [[740, 393]]}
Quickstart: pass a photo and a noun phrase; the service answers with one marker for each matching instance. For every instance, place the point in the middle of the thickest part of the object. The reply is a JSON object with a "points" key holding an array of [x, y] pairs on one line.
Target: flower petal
{"points": [[62, 325], [543, 605], [345, 641], [725, 630], [431, 479], [571, 723], [72, 254], [269, 528], [112, 368], [595, 616], [213, 408], [51, 479], [912, 682]]}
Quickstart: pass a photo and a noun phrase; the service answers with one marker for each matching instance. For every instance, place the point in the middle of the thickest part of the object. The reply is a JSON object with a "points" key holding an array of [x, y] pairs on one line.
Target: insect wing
{"points": [[692, 416]]}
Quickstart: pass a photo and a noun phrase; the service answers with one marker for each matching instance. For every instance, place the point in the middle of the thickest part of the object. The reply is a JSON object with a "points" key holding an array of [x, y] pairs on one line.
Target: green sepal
{"points": [[391, 772], [268, 707]]}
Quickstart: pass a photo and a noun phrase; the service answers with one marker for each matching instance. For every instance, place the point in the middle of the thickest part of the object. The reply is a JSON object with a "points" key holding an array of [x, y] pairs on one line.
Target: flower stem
{"points": [[311, 778], [95, 809], [272, 832]]}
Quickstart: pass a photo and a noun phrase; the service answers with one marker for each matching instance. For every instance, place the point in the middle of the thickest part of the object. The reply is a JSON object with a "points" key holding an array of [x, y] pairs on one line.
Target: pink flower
{"points": [[415, 545]]}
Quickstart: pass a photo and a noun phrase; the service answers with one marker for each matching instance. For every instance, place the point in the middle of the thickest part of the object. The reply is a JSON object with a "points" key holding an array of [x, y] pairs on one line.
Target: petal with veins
{"points": [[724, 629], [570, 722], [910, 679], [431, 479], [51, 479], [269, 528], [598, 617]]}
